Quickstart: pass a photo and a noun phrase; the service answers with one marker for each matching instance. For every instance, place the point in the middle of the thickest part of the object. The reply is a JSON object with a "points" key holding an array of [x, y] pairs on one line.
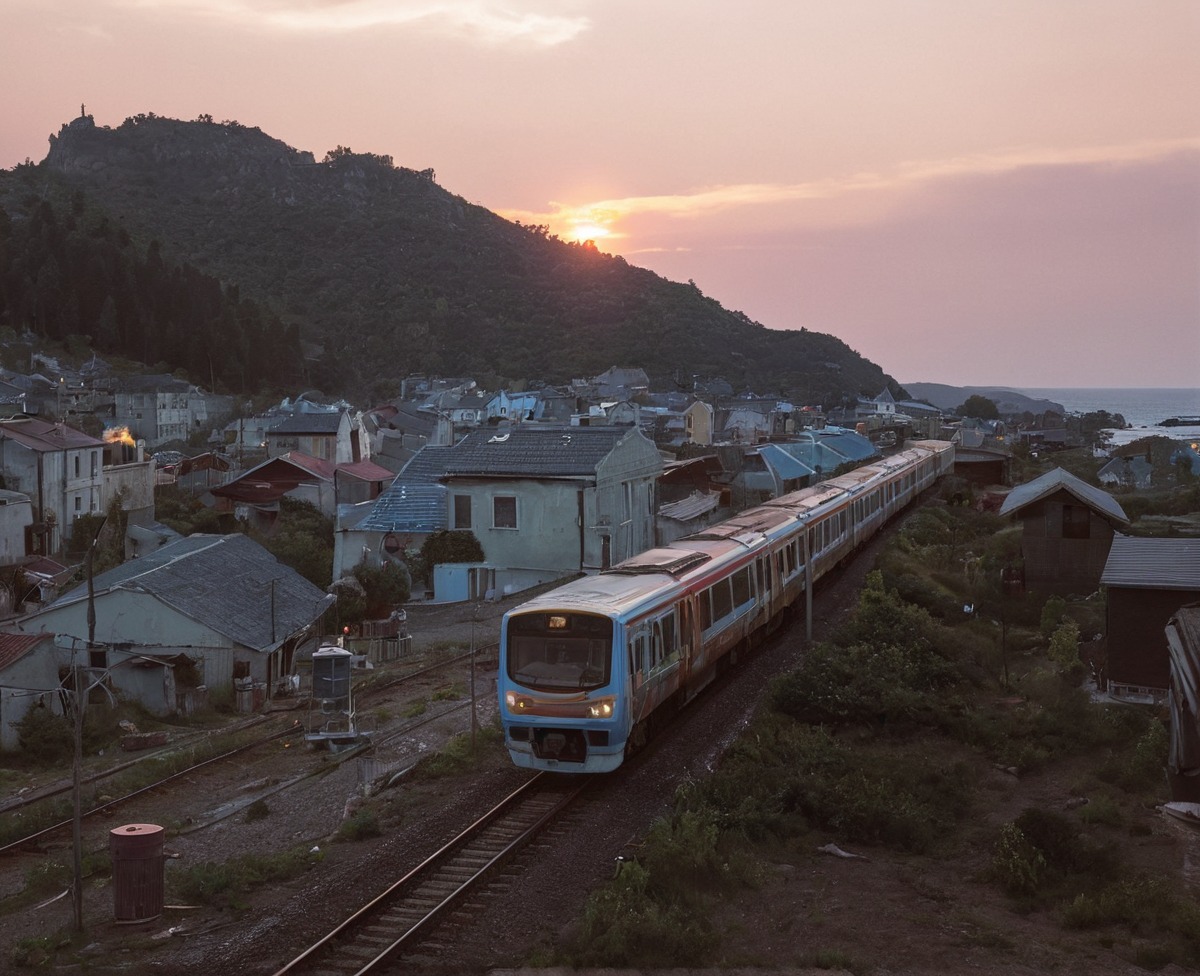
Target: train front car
{"points": [[561, 701]]}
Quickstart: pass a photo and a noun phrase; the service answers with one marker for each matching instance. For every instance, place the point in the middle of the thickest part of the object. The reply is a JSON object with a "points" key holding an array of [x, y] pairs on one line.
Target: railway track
{"points": [[409, 909], [157, 785], [36, 836]]}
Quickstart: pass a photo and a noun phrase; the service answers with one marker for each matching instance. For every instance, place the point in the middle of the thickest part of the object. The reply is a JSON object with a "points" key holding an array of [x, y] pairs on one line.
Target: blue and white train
{"points": [[588, 669]]}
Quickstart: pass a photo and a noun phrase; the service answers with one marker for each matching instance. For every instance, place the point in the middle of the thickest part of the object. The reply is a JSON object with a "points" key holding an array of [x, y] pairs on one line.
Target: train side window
{"points": [[722, 598], [706, 618], [668, 636], [741, 587]]}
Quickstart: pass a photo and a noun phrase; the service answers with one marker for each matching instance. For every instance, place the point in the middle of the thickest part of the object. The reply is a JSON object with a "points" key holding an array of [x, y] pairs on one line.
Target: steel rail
{"points": [[410, 885], [21, 842]]}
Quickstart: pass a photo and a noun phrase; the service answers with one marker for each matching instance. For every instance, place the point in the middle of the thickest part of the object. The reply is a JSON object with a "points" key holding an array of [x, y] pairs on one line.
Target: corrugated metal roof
{"points": [[408, 507], [229, 583], [1157, 564], [696, 504], [327, 422], [1059, 480], [784, 462]]}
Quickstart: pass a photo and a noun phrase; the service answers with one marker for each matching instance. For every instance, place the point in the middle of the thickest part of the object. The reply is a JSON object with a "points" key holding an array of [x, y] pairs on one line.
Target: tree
{"points": [[979, 407]]}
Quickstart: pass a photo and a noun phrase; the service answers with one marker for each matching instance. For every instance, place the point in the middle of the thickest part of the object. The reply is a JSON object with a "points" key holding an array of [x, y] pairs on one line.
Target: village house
{"points": [[1146, 581], [60, 469], [543, 502], [327, 435], [16, 525], [254, 495], [160, 408], [1067, 531], [1183, 753], [220, 607], [28, 680]]}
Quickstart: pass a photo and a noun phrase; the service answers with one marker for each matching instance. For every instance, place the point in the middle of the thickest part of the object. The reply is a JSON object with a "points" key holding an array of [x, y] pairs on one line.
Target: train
{"points": [[588, 670]]}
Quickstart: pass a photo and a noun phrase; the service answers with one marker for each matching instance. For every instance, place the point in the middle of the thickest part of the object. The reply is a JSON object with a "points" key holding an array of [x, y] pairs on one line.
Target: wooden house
{"points": [[1067, 530], [1147, 581]]}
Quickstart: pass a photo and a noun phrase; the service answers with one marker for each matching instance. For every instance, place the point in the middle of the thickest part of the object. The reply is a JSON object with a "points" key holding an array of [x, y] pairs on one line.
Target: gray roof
{"points": [[534, 452], [1154, 564], [1059, 480], [328, 422], [229, 583]]}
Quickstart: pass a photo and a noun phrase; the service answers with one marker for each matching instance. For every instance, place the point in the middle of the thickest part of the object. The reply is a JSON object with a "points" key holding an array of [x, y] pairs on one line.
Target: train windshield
{"points": [[559, 651]]}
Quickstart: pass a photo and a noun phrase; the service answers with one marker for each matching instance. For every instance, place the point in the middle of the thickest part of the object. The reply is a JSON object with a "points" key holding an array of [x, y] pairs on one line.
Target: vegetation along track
{"points": [[403, 914]]}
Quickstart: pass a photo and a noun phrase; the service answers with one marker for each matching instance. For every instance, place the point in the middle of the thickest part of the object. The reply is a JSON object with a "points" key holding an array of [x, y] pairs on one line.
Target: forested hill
{"points": [[385, 273]]}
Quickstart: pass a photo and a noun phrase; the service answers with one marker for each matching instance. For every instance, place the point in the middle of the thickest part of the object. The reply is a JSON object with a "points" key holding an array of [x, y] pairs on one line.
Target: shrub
{"points": [[361, 825], [46, 738], [1016, 863]]}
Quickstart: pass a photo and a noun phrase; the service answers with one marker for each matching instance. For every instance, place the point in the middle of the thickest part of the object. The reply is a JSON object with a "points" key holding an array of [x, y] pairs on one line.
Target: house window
{"points": [[1077, 522], [462, 511], [78, 504], [76, 465], [504, 512]]}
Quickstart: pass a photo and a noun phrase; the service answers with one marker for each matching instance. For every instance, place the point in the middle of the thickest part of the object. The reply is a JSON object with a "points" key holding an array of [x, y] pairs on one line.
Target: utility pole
{"points": [[474, 718]]}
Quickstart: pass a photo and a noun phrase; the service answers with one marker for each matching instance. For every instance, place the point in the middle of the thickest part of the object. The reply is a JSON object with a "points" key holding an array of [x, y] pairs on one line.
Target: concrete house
{"points": [[1067, 531], [28, 679], [16, 522], [161, 408], [1147, 582], [59, 468], [328, 436], [222, 602], [543, 502]]}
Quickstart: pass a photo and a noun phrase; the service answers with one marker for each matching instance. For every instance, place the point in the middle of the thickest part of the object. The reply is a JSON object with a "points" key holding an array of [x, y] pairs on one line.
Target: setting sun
{"points": [[588, 232]]}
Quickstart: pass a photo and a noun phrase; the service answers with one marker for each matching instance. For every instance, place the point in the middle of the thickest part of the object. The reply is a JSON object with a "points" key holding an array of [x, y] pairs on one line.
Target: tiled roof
{"points": [[229, 583], [310, 423], [534, 451], [1154, 564], [1058, 479], [15, 646]]}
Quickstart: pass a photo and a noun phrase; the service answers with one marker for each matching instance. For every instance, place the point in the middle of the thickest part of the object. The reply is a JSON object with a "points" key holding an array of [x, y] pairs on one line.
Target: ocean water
{"points": [[1139, 407]]}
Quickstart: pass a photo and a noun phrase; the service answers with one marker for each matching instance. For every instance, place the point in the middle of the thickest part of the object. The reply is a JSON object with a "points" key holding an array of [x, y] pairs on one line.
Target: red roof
{"points": [[14, 646], [38, 435], [366, 471]]}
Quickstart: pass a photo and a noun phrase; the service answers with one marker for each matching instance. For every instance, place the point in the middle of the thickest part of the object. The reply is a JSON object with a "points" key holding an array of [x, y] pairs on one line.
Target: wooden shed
{"points": [[1067, 530], [1148, 581]]}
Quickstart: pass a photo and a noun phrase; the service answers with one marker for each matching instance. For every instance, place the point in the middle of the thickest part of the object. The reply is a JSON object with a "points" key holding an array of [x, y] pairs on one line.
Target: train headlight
{"points": [[601, 708], [515, 702]]}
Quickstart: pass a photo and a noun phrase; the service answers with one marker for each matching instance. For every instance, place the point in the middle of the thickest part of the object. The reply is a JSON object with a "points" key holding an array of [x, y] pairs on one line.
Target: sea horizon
{"points": [[1141, 406]]}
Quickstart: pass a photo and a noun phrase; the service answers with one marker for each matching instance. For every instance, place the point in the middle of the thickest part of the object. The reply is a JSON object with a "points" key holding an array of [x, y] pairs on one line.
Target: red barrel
{"points": [[137, 870]]}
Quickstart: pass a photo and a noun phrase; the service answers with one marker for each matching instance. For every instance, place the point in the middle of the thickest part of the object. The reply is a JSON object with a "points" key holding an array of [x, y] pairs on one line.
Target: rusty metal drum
{"points": [[137, 870]]}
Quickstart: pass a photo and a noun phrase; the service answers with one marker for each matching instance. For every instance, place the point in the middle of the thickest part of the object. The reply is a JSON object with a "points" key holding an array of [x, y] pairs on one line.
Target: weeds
{"points": [[224, 884]]}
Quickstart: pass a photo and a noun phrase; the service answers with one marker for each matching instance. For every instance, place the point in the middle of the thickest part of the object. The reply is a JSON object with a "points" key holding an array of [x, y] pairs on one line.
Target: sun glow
{"points": [[587, 231]]}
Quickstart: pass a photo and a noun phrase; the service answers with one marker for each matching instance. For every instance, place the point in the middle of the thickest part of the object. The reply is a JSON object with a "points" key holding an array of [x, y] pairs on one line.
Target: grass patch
{"points": [[361, 825], [452, 692], [457, 756], [415, 709], [224, 884]]}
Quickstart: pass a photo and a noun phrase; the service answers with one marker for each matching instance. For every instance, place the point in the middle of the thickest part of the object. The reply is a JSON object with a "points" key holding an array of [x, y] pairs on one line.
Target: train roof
{"points": [[605, 593]]}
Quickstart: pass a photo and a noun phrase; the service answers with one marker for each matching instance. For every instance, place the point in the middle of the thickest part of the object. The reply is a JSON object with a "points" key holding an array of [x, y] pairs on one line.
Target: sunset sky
{"points": [[964, 191]]}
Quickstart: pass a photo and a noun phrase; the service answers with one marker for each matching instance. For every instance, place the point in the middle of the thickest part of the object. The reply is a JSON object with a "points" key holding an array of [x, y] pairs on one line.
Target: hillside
{"points": [[385, 273], [1007, 401]]}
